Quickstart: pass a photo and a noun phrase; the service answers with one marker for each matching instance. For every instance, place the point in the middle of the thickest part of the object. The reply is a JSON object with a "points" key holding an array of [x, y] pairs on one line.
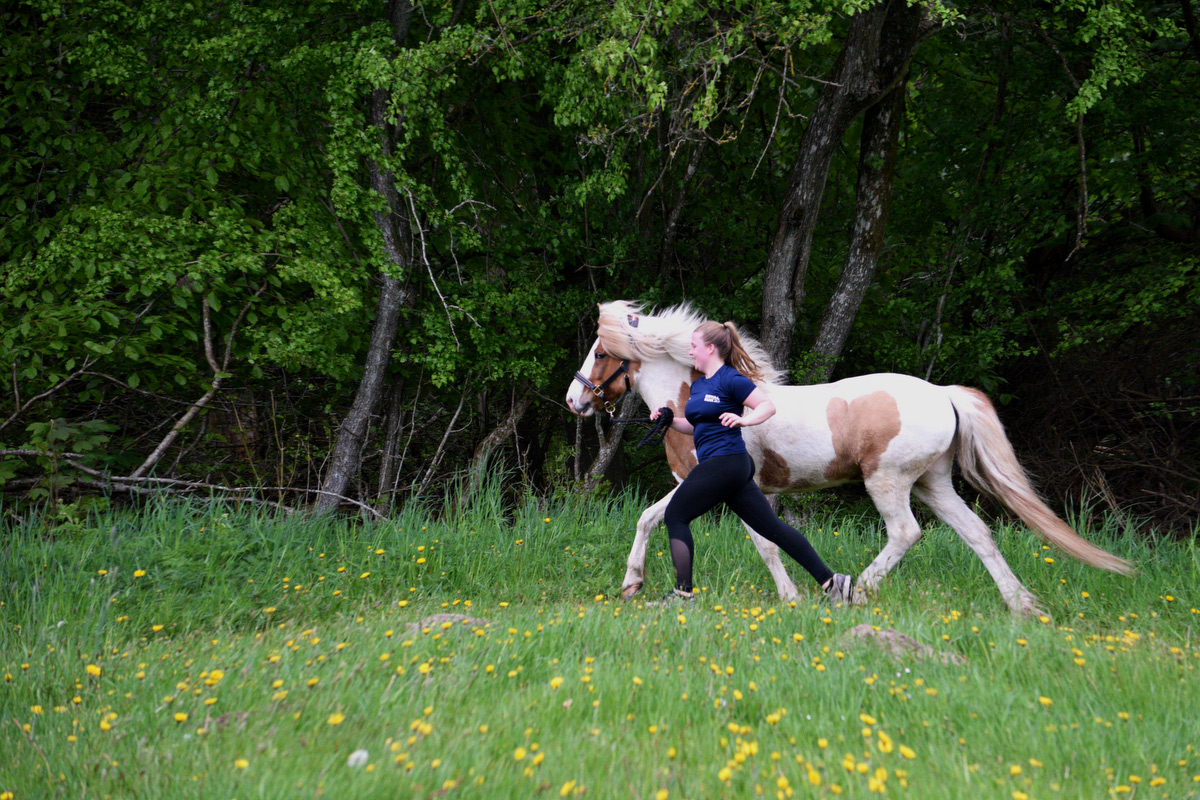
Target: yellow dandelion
{"points": [[566, 789], [907, 751], [336, 718], [519, 754], [241, 763], [181, 716], [556, 682], [1014, 770], [313, 682], [139, 573], [1046, 701], [867, 719], [93, 670]]}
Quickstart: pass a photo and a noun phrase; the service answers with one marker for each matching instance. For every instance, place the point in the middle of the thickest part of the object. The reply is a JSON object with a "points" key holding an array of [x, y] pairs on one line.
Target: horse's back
{"points": [[849, 430]]}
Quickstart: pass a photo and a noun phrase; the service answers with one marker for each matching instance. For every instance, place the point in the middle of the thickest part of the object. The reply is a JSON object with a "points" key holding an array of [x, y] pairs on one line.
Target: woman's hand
{"points": [[731, 420], [677, 423]]}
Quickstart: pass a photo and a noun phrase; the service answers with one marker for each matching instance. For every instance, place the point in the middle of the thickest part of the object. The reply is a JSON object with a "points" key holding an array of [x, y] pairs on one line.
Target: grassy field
{"points": [[220, 652]]}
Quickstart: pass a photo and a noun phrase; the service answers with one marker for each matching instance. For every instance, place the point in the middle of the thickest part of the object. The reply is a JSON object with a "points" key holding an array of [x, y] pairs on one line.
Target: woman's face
{"points": [[703, 355]]}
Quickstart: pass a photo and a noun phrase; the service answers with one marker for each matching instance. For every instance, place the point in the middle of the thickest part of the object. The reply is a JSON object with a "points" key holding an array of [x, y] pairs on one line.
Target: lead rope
{"points": [[658, 427]]}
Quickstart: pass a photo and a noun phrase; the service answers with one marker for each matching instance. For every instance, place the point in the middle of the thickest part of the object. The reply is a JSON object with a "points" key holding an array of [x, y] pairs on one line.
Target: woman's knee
{"points": [[676, 517]]}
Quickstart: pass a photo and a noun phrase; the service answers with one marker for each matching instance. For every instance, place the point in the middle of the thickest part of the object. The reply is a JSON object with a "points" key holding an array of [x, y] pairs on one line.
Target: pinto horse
{"points": [[897, 434]]}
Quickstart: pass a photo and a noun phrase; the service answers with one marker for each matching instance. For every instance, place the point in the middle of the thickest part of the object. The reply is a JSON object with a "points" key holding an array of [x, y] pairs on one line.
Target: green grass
{"points": [[239, 610]]}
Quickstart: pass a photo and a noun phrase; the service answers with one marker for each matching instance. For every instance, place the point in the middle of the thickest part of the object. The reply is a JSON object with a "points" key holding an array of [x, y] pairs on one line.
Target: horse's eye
{"points": [[600, 356]]}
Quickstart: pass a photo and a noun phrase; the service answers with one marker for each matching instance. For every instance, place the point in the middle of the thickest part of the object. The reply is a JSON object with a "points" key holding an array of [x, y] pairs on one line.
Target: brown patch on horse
{"points": [[681, 448], [681, 452], [775, 473], [862, 430]]}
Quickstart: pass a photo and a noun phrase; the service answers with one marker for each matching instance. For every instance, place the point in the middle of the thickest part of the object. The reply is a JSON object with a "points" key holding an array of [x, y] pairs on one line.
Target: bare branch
{"points": [[441, 450], [88, 361]]}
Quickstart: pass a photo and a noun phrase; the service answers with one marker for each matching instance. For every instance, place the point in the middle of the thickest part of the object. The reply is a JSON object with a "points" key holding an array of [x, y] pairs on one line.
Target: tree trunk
{"points": [[787, 260], [609, 445], [346, 460], [671, 229], [1189, 22], [502, 431], [873, 195], [873, 59]]}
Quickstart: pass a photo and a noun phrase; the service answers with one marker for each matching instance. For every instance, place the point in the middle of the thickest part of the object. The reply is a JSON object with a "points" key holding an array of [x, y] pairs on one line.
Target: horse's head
{"points": [[601, 381]]}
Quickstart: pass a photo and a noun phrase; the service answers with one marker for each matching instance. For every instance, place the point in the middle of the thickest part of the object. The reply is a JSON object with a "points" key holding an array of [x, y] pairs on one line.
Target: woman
{"points": [[725, 472]]}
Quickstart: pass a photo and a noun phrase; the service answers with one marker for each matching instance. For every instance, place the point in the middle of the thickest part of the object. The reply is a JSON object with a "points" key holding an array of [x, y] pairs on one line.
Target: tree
{"points": [[873, 61]]}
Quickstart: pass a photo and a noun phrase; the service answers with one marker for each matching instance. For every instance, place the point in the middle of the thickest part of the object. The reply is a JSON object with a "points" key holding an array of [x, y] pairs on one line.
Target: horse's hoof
{"points": [[629, 592]]}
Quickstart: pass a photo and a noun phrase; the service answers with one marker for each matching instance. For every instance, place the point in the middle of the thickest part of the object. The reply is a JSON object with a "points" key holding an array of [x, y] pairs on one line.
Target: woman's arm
{"points": [[761, 410]]}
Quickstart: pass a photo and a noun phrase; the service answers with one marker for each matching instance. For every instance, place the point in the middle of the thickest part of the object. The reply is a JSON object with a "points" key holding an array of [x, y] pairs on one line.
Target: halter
{"points": [[609, 406]]}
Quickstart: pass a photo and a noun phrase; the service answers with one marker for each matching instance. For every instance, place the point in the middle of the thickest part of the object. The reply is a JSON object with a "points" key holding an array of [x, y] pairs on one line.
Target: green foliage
{"points": [[189, 183]]}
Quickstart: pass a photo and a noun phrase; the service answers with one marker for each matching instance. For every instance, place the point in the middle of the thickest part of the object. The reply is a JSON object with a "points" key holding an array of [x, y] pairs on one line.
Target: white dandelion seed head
{"points": [[357, 758]]}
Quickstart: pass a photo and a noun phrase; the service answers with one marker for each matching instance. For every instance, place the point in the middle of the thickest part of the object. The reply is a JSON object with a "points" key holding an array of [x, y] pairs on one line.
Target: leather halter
{"points": [[609, 406]]}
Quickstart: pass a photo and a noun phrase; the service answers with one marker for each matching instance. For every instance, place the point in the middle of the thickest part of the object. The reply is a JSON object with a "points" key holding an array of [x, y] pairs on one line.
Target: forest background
{"points": [[344, 253]]}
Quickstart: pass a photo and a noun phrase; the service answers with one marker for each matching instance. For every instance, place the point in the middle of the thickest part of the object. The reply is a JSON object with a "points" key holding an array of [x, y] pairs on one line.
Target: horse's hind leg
{"points": [[770, 556], [890, 493], [936, 490], [635, 566]]}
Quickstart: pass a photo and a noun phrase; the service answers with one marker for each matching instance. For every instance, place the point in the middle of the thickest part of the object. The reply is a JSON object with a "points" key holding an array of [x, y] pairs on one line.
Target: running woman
{"points": [[725, 472]]}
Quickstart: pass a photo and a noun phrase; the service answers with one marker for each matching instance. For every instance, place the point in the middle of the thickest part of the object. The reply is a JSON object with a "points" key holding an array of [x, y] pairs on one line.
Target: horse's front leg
{"points": [[635, 566]]}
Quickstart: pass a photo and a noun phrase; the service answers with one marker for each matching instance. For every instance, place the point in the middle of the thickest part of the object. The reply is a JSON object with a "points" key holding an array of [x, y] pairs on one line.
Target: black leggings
{"points": [[728, 479]]}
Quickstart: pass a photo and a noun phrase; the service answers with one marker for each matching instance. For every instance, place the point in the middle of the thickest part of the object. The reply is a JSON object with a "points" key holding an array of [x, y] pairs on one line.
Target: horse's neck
{"points": [[663, 382]]}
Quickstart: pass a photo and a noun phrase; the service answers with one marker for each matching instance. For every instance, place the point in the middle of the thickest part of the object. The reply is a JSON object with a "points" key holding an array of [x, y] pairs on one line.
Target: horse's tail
{"points": [[989, 464]]}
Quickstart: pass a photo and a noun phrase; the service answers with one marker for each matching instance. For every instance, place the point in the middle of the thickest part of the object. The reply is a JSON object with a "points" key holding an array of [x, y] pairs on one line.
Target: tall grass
{"points": [[169, 652]]}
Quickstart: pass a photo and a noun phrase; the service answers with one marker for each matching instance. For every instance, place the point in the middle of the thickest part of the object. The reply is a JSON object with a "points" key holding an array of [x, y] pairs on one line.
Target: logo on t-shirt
{"points": [[711, 398]]}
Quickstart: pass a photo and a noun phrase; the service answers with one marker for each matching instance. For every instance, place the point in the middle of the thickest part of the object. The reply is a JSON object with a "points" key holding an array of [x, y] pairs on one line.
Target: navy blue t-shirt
{"points": [[727, 390]]}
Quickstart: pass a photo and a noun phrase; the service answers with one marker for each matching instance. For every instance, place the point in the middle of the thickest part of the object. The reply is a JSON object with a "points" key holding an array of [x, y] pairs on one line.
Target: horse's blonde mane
{"points": [[667, 334]]}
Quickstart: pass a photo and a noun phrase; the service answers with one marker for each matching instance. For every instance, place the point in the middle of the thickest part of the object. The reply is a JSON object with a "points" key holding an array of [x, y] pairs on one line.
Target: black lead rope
{"points": [[658, 427]]}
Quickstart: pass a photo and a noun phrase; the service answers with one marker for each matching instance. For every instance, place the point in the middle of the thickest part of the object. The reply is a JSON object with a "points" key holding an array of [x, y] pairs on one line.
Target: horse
{"points": [[897, 434]]}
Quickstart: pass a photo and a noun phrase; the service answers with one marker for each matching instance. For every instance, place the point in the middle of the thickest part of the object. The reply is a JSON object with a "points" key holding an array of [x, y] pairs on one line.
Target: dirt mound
{"points": [[897, 644]]}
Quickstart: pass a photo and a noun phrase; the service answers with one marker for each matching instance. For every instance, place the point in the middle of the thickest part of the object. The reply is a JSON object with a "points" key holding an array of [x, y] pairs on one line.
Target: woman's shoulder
{"points": [[728, 373]]}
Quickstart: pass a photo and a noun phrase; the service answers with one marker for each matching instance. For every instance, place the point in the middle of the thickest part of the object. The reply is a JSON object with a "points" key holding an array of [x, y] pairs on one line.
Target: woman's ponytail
{"points": [[729, 346]]}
